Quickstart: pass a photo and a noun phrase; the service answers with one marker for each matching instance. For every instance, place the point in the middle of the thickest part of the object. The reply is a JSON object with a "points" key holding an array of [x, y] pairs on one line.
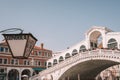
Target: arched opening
{"points": [[54, 61], [13, 75], [82, 48], [61, 59], [26, 72], [49, 64], [96, 40], [74, 52], [84, 72], [112, 44], [67, 55]]}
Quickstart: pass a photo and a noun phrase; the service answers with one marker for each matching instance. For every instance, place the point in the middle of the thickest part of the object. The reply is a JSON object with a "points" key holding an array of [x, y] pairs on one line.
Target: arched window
{"points": [[82, 48], [112, 44], [54, 61], [49, 64], [74, 52], [67, 55], [60, 59]]}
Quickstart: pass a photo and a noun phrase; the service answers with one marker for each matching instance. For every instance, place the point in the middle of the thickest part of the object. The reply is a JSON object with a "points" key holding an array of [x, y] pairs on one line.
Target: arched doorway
{"points": [[13, 75], [96, 40], [26, 72]]}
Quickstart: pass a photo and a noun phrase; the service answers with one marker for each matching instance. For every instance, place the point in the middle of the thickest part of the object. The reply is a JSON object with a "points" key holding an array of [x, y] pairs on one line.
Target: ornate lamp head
{"points": [[20, 45]]}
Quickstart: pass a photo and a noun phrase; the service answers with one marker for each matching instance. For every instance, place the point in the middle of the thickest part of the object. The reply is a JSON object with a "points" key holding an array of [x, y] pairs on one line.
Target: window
{"points": [[45, 54], [67, 55], [35, 63], [5, 61], [60, 59], [82, 48], [6, 49], [1, 49], [74, 52], [49, 64], [112, 44], [35, 52], [0, 61], [26, 62], [1, 70], [49, 55], [54, 61], [12, 61], [40, 53], [15, 61], [39, 63]]}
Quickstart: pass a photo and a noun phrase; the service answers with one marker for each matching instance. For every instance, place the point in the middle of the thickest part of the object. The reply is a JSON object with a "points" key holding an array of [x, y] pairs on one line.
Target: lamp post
{"points": [[20, 44]]}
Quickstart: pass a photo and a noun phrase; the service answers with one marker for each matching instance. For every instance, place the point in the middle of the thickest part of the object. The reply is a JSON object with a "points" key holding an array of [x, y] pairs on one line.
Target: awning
{"points": [[38, 69]]}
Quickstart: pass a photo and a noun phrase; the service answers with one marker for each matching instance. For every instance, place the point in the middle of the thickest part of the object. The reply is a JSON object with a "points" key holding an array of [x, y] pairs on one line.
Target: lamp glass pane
{"points": [[29, 46], [17, 47], [20, 45]]}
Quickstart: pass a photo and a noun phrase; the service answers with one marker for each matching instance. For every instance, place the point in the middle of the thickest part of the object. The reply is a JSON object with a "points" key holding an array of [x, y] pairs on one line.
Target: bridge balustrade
{"points": [[82, 56]]}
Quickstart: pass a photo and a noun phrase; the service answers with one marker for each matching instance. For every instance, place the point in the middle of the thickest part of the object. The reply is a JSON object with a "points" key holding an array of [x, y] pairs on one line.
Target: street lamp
{"points": [[20, 44]]}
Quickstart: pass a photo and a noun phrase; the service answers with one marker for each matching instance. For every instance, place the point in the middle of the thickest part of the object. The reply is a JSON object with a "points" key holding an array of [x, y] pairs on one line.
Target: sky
{"points": [[59, 23]]}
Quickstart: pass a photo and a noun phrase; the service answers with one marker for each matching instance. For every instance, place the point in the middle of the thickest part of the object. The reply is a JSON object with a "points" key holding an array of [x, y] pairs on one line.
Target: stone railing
{"points": [[99, 53]]}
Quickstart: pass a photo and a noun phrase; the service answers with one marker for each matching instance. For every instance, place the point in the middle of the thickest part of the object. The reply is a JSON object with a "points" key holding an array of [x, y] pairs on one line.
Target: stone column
{"points": [[20, 75], [78, 76], [68, 78]]}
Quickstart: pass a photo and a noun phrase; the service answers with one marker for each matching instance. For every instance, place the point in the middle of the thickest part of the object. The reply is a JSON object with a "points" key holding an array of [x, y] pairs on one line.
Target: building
{"points": [[15, 69], [111, 73]]}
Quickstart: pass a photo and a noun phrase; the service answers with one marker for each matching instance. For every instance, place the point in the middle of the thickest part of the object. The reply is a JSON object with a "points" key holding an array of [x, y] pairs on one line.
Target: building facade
{"points": [[111, 73], [16, 69]]}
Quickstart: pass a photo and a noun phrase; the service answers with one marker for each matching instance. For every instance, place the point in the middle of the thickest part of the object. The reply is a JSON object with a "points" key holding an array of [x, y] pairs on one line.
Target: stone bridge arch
{"points": [[92, 57], [86, 72], [89, 64]]}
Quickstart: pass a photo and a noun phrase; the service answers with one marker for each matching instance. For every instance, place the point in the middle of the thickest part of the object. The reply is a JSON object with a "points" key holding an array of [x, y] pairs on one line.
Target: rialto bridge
{"points": [[84, 61]]}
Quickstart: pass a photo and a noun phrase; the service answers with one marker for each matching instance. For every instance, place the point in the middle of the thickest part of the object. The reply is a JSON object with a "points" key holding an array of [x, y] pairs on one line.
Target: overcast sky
{"points": [[59, 23]]}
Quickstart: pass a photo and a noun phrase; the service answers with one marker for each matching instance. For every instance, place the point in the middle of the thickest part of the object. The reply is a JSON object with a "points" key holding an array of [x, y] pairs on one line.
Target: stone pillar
{"points": [[78, 76], [6, 74], [20, 75], [68, 78], [32, 62]]}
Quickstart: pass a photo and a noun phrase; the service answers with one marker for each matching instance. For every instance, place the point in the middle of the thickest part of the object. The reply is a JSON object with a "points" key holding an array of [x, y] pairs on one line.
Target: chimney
{"points": [[42, 45]]}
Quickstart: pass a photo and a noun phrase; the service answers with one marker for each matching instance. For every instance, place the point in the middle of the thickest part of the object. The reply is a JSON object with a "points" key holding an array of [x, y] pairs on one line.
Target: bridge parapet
{"points": [[82, 56]]}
